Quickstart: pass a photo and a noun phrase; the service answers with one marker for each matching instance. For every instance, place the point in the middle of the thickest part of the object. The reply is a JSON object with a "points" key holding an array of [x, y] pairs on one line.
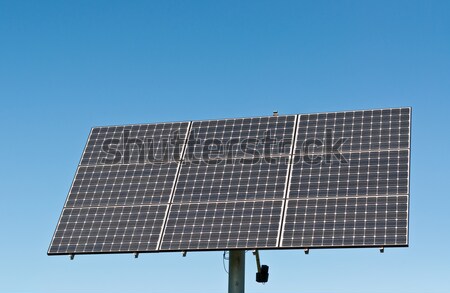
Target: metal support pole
{"points": [[236, 272]]}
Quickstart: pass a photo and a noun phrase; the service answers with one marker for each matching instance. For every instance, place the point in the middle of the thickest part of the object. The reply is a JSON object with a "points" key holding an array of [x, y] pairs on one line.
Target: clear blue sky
{"points": [[68, 65]]}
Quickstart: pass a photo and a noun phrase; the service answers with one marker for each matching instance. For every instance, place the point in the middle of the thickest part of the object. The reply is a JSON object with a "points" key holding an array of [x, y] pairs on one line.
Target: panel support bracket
{"points": [[262, 274], [258, 261]]}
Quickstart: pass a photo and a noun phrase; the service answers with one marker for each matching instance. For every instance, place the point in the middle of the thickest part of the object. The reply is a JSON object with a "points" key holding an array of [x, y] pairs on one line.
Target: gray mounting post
{"points": [[236, 272]]}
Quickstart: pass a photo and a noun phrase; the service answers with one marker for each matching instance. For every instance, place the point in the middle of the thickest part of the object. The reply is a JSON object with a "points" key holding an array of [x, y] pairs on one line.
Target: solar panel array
{"points": [[297, 181]]}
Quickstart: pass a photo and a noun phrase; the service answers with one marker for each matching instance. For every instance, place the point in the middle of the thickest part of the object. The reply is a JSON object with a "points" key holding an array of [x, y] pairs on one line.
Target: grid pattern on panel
{"points": [[120, 194], [351, 221], [360, 130], [111, 185], [135, 143], [224, 195], [349, 184], [222, 225], [231, 181], [244, 137], [240, 185], [108, 229], [367, 173]]}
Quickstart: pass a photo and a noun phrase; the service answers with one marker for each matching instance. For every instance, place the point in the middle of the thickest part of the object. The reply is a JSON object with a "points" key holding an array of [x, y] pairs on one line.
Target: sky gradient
{"points": [[66, 66]]}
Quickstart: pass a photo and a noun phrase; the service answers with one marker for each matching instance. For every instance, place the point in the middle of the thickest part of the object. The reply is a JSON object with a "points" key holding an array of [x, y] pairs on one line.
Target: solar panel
{"points": [[364, 174], [231, 181], [119, 197], [363, 130], [242, 137], [346, 222], [358, 197], [130, 184], [298, 181], [108, 229], [155, 143], [233, 186], [222, 225]]}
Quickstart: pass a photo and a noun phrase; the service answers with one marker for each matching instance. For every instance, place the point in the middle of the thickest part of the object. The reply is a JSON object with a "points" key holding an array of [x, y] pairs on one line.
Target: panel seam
{"points": [[288, 182], [174, 186]]}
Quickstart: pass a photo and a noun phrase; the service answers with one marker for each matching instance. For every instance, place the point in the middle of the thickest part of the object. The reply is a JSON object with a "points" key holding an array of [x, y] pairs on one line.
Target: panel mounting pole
{"points": [[236, 271]]}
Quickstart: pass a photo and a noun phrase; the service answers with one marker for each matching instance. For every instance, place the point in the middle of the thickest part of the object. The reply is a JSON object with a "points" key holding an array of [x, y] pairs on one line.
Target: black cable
{"points": [[223, 261]]}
